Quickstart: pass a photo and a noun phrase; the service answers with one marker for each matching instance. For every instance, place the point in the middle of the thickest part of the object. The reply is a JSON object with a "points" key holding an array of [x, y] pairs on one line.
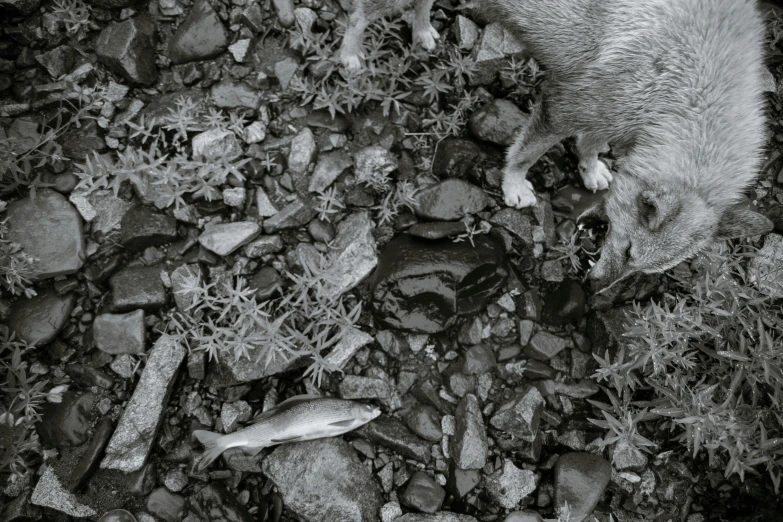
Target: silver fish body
{"points": [[298, 419]]}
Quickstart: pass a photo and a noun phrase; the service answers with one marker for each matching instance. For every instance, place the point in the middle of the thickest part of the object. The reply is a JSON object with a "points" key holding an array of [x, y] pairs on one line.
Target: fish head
{"points": [[366, 412]]}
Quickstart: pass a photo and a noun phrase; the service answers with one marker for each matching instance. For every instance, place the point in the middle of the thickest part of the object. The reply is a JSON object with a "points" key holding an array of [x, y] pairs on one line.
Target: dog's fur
{"points": [[364, 12], [674, 83]]}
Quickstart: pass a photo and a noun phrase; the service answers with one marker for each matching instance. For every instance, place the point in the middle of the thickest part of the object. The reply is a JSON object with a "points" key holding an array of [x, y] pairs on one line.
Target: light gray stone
{"points": [[356, 253], [766, 268], [51, 493], [510, 485], [303, 149], [329, 168], [120, 333], [223, 239]]}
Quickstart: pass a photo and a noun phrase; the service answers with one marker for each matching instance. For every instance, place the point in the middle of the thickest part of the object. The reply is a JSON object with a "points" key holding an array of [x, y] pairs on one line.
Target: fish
{"points": [[300, 418]]}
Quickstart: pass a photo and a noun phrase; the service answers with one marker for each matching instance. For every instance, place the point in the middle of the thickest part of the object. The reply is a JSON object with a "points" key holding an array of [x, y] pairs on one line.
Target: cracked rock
{"points": [[128, 49]]}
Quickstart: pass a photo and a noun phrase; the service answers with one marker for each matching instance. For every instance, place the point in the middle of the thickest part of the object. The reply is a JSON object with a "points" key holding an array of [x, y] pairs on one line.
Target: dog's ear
{"points": [[740, 221], [656, 207]]}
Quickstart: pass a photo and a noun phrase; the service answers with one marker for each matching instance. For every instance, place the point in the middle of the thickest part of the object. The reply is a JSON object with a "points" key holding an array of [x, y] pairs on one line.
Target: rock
{"points": [[239, 49], [321, 231], [303, 150], [520, 416], [460, 482], [307, 473], [392, 433], [328, 169], [138, 426], [479, 359], [510, 485], [455, 158], [20, 7], [498, 121], [466, 32], [67, 423], [216, 143], [358, 387], [544, 345], [296, 214], [355, 253], [264, 205], [255, 133], [470, 437], [423, 494], [523, 516], [565, 304], [123, 365], [137, 287], [425, 421], [128, 49], [494, 45], [118, 515], [606, 330], [579, 203], [39, 319], [450, 200], [50, 493], [266, 283], [57, 62], [120, 333], [229, 94], [438, 229], [443, 516], [91, 458], [183, 281], [200, 36], [263, 245], [108, 210], [215, 502], [225, 238], [516, 222], [322, 119], [49, 229], [166, 505], [82, 142], [767, 265], [580, 481], [626, 457], [424, 286], [373, 165], [352, 341]]}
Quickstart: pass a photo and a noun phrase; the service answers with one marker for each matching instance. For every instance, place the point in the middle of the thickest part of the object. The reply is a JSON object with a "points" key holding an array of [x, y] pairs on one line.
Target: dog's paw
{"points": [[517, 191], [596, 178], [427, 36], [351, 61]]}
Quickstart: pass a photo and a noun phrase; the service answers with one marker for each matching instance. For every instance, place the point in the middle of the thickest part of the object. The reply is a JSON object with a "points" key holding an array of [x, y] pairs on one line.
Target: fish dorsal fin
{"points": [[286, 405]]}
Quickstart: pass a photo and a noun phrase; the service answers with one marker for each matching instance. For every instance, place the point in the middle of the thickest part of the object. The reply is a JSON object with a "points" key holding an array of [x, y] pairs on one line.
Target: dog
{"points": [[674, 83], [364, 12]]}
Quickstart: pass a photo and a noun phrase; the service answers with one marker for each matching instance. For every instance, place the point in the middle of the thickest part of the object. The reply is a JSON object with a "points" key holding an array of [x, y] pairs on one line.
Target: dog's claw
{"points": [[427, 37], [518, 191], [596, 178]]}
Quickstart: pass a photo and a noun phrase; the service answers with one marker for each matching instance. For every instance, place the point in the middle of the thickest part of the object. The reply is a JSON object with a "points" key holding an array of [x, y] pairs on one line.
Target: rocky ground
{"points": [[378, 232]]}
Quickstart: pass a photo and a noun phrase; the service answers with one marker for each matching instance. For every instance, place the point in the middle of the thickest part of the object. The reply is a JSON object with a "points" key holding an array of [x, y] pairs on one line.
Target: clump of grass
{"points": [[307, 321], [705, 363], [20, 404]]}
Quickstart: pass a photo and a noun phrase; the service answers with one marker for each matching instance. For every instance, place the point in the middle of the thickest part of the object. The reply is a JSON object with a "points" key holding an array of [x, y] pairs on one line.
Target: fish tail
{"points": [[210, 440]]}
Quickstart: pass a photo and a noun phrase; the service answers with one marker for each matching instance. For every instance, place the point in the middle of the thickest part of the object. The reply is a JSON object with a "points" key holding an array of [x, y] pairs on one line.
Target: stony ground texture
{"points": [[420, 292]]}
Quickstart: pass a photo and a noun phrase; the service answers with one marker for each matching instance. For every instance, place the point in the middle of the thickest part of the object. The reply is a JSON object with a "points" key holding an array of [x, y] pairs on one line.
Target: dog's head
{"points": [[653, 227]]}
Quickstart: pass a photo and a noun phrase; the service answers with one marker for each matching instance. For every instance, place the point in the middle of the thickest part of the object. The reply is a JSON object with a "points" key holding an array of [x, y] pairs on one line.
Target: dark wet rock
{"points": [[20, 7], [497, 121], [141, 482], [51, 493], [521, 415], [38, 320], [78, 144], [605, 330], [49, 229], [229, 94], [437, 229], [66, 423], [579, 203], [200, 36], [324, 481], [510, 485], [358, 387], [391, 433], [142, 227], [544, 345], [296, 214], [88, 376], [355, 255], [479, 359], [423, 286], [516, 222], [65, 183], [117, 515], [225, 238], [580, 481], [470, 435], [266, 283], [443, 516], [322, 119], [565, 304], [20, 509], [128, 49], [215, 502], [423, 494], [425, 421], [89, 461], [120, 333], [330, 166], [321, 231], [455, 158], [58, 61], [137, 287], [138, 426], [450, 199], [460, 482], [578, 390], [166, 505]]}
